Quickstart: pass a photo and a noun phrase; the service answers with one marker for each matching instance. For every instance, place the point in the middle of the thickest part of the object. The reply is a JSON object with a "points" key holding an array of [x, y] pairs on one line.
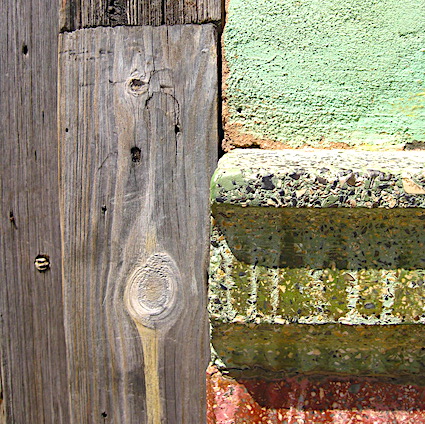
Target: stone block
{"points": [[318, 262]]}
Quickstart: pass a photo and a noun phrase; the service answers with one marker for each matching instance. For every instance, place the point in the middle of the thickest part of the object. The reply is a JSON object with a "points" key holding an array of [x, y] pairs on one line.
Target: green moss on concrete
{"points": [[264, 350], [316, 72], [354, 266]]}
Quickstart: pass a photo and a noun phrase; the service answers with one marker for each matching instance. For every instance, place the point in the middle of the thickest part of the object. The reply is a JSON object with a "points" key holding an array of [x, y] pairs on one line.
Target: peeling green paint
{"points": [[316, 72]]}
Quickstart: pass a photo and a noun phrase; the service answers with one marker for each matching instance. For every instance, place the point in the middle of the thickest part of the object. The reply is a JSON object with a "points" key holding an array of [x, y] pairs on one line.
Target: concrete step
{"points": [[318, 262]]}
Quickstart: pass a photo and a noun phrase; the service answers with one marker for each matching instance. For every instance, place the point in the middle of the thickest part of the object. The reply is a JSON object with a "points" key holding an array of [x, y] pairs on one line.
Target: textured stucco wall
{"points": [[327, 73]]}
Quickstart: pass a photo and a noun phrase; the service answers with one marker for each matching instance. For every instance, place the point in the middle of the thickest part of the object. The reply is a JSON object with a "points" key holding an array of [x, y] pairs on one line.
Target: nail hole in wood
{"points": [[12, 220], [42, 263], [104, 209], [25, 49], [176, 129], [104, 414], [136, 154], [66, 129]]}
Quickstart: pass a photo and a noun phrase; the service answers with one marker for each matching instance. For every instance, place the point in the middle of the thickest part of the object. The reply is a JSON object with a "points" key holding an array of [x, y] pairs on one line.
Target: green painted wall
{"points": [[318, 72]]}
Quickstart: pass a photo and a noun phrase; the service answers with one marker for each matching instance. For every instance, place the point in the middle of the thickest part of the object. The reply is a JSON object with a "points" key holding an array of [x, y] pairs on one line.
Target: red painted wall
{"points": [[302, 400]]}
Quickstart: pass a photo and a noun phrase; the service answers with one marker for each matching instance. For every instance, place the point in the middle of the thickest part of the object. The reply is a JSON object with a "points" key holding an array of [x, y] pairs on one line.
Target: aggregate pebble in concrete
{"points": [[320, 179]]}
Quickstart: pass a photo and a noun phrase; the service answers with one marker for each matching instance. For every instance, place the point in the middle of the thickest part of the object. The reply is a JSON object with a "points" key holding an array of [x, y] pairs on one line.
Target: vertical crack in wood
{"points": [[163, 12]]}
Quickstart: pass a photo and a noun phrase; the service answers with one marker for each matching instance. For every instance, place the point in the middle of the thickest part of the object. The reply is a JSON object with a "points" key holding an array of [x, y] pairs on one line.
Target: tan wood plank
{"points": [[138, 142], [77, 14], [32, 352]]}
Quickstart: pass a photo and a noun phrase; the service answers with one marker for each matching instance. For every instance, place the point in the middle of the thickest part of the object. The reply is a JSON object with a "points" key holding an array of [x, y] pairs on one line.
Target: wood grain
{"points": [[33, 364], [78, 14], [138, 142]]}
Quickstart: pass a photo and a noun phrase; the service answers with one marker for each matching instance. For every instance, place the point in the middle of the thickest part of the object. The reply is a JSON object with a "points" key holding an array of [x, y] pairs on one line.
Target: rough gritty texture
{"points": [[307, 400], [325, 73], [345, 250], [273, 350], [290, 265], [320, 178]]}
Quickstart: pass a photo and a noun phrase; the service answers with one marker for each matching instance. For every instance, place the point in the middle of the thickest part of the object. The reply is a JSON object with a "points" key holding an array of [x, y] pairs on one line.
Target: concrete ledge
{"points": [[334, 283], [320, 179]]}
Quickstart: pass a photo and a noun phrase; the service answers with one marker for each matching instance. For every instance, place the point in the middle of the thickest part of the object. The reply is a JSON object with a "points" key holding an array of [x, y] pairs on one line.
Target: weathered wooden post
{"points": [[32, 346], [138, 142], [137, 126]]}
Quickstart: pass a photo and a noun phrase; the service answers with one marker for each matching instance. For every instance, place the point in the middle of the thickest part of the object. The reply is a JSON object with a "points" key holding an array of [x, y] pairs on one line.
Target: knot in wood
{"points": [[137, 85], [152, 291]]}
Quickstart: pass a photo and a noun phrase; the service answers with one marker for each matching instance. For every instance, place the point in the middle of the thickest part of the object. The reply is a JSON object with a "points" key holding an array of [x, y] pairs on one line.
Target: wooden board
{"points": [[138, 142], [77, 14], [33, 365]]}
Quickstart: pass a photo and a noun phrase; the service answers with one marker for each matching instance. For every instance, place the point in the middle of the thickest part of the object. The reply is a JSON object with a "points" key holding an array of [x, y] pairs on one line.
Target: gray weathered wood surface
{"points": [[77, 14], [33, 364], [138, 141]]}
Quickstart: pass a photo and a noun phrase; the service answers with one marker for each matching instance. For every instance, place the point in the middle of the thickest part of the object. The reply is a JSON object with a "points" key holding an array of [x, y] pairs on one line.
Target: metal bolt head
{"points": [[42, 263]]}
